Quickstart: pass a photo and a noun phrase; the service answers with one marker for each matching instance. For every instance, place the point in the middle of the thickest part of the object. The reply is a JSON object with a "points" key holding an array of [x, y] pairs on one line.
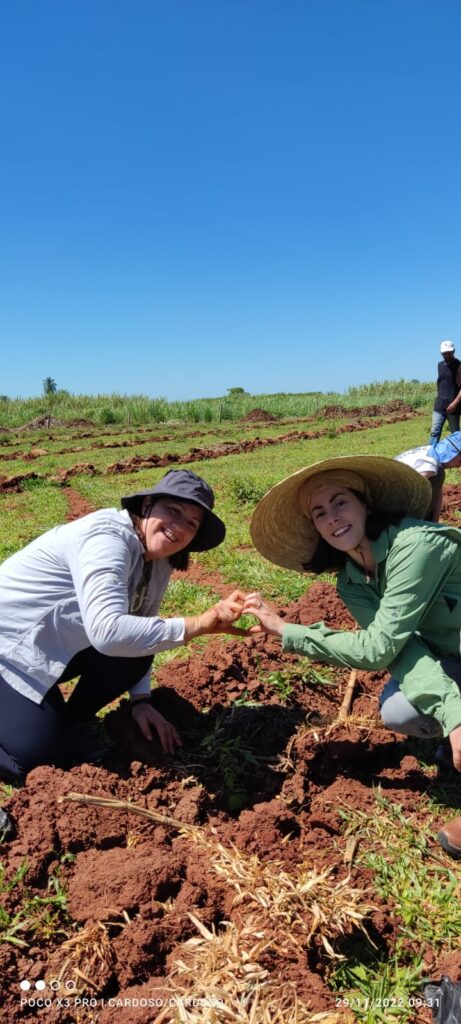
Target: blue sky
{"points": [[204, 194]]}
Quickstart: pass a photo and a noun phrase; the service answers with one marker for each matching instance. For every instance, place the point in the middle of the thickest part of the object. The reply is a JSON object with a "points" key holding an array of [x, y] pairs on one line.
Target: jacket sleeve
{"points": [[101, 565], [143, 687], [415, 575]]}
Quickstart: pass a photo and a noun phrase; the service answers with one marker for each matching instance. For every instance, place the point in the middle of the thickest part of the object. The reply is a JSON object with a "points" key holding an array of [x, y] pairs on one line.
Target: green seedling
{"points": [[233, 762], [244, 701], [280, 683], [39, 917]]}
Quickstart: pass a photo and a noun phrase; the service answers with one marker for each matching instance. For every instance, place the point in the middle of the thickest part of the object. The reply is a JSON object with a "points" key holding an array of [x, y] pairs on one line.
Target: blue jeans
{"points": [[400, 716], [438, 420]]}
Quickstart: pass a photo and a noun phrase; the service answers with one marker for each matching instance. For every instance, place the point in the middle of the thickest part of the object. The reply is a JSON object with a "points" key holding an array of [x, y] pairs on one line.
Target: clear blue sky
{"points": [[204, 194]]}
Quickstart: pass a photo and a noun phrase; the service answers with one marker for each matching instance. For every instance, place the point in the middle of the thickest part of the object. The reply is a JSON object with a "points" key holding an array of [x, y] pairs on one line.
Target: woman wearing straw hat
{"points": [[400, 578], [82, 601]]}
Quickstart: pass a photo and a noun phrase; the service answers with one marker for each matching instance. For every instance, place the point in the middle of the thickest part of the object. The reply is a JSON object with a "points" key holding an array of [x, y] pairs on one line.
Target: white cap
{"points": [[447, 346]]}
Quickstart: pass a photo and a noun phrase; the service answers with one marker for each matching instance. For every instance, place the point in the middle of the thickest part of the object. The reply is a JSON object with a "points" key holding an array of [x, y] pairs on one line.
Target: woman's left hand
{"points": [[219, 618], [147, 718], [269, 621]]}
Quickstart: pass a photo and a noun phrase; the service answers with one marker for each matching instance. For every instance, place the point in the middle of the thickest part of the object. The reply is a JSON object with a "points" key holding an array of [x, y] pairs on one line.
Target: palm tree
{"points": [[49, 386]]}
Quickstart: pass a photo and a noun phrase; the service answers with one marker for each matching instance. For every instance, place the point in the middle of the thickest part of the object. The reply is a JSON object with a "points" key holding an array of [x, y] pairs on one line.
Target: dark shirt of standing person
{"points": [[447, 405]]}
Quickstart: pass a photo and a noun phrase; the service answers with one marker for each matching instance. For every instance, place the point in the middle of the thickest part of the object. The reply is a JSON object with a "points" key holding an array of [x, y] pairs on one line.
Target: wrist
{"points": [[144, 699], [197, 625]]}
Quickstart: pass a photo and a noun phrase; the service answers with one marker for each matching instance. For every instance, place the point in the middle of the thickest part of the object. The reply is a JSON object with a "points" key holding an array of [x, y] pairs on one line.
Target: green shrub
{"points": [[157, 410], [107, 415], [247, 490]]}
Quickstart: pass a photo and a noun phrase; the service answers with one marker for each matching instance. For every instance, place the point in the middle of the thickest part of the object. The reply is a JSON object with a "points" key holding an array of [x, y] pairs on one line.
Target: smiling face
{"points": [[169, 525], [339, 516]]}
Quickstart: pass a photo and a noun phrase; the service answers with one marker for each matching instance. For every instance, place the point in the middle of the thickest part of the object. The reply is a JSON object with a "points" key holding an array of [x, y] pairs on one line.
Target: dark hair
{"points": [[180, 560], [328, 559]]}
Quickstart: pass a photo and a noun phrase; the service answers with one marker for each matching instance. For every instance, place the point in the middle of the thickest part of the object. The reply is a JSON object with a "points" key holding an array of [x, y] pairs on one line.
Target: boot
{"points": [[450, 837], [443, 756], [7, 827]]}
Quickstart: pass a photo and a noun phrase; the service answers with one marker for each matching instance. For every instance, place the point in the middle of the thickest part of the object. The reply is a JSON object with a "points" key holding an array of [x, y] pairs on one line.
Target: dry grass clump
{"points": [[298, 905], [84, 961], [235, 987], [278, 908]]}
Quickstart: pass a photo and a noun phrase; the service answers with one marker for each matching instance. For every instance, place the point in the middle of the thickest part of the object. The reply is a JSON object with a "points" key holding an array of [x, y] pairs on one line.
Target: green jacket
{"points": [[409, 613]]}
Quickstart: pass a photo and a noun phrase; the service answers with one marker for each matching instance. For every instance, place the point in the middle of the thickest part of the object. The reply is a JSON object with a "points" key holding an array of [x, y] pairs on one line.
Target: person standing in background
{"points": [[447, 404]]}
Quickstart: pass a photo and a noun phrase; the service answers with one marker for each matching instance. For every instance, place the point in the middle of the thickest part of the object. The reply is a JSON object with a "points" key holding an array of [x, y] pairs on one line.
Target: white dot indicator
{"points": [[40, 984], [25, 985]]}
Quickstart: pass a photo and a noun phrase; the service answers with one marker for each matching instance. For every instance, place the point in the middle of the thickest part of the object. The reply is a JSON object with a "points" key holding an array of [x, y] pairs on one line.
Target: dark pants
{"points": [[33, 734]]}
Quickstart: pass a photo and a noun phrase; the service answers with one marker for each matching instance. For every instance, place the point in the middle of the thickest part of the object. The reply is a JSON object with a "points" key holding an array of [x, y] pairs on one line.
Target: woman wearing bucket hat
{"points": [[399, 576], [82, 601], [432, 461]]}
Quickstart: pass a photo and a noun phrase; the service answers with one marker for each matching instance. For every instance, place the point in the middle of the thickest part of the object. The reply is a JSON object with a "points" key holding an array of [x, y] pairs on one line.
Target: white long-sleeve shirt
{"points": [[72, 588]]}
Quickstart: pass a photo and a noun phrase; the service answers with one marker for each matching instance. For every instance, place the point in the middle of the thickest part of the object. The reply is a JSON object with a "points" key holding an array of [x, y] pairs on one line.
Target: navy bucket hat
{"points": [[184, 485]]}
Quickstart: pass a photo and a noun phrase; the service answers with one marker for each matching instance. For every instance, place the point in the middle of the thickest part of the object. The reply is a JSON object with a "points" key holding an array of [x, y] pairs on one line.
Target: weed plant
{"points": [[291, 679], [233, 762], [40, 917]]}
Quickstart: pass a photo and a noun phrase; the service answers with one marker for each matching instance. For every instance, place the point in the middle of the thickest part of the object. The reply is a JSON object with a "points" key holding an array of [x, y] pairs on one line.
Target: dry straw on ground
{"points": [[277, 909], [236, 988]]}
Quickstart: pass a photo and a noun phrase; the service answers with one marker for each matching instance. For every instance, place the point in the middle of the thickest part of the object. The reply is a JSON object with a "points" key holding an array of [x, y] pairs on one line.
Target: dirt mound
{"points": [[257, 415], [80, 423], [42, 421], [13, 484], [451, 510], [337, 411]]}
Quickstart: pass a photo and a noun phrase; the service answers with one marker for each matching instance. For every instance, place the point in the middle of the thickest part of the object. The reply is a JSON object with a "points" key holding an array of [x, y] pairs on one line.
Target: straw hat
{"points": [[284, 534]]}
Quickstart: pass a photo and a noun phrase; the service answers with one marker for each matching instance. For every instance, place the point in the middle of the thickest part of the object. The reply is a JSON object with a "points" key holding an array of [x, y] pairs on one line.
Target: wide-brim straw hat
{"points": [[283, 533]]}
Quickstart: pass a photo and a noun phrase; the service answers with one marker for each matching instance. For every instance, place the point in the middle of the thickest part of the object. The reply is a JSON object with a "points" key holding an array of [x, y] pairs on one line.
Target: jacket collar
{"points": [[380, 549]]}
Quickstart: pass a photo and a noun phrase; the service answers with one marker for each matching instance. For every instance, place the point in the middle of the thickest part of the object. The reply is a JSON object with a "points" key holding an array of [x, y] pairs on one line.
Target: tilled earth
{"points": [[262, 772], [358, 419]]}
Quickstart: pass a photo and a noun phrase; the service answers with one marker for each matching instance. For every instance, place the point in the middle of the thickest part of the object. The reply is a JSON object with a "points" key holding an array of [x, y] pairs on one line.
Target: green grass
{"points": [[421, 888], [27, 515], [40, 917]]}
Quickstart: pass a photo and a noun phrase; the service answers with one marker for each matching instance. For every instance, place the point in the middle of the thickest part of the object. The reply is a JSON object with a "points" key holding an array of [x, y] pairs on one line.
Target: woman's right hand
{"points": [[147, 718]]}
